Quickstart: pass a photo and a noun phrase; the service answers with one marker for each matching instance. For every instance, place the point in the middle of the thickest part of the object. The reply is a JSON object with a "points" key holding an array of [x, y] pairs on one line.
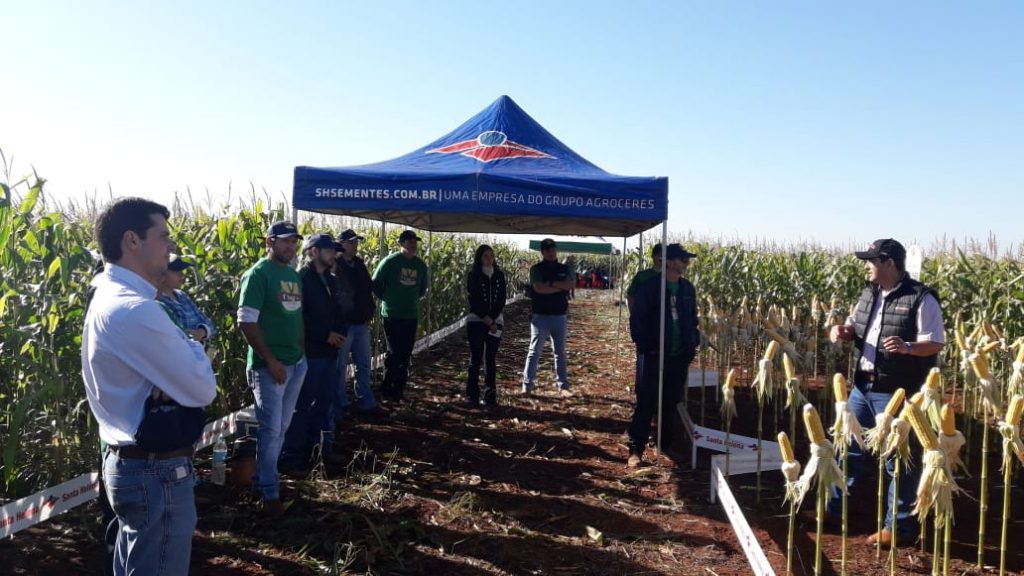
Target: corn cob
{"points": [[990, 346], [893, 408], [917, 400], [961, 342], [787, 363], [934, 379], [1014, 410], [913, 414], [839, 387], [786, 448], [1020, 351], [771, 351], [730, 378], [948, 420], [980, 365], [815, 431]]}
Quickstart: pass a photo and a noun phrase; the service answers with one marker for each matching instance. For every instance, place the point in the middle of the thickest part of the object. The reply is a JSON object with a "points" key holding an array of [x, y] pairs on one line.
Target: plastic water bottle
{"points": [[220, 456]]}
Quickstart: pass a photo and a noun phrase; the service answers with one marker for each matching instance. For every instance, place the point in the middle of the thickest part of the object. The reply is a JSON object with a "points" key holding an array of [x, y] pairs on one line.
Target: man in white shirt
{"points": [[133, 353], [898, 332]]}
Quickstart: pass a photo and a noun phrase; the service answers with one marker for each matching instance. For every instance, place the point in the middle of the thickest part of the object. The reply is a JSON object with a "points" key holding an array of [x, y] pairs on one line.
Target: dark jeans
{"points": [[400, 335], [865, 405], [676, 370], [480, 339], [110, 524], [313, 421]]}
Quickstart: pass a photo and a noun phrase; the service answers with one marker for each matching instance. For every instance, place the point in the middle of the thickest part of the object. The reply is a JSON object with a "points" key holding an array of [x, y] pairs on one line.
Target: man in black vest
{"points": [[898, 332]]}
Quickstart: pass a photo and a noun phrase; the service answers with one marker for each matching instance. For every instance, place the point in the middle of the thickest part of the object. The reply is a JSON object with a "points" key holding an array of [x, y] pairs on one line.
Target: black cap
{"points": [[656, 250], [547, 243], [408, 235], [884, 248], [349, 235], [176, 264], [677, 252], [318, 241], [283, 229]]}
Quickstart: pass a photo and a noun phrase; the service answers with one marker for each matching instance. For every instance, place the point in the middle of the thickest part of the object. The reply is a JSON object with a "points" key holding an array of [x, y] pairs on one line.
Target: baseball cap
{"points": [[408, 235], [349, 235], [283, 229], [547, 243], [883, 248], [176, 264], [676, 251], [318, 241]]}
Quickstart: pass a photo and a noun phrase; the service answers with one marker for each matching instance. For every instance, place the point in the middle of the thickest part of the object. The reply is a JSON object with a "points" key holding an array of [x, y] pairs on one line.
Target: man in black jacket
{"points": [[324, 331], [681, 338], [898, 333], [355, 290]]}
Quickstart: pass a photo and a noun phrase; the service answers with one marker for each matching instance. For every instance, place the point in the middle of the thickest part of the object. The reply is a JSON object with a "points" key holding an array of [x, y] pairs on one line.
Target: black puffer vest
{"points": [[899, 318]]}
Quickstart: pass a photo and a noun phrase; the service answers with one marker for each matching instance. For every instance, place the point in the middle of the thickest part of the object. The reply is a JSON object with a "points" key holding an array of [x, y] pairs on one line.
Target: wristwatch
{"points": [[910, 346]]}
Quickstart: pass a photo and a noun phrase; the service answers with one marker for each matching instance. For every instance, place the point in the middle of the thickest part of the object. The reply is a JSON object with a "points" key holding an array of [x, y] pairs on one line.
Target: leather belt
{"points": [[134, 452]]}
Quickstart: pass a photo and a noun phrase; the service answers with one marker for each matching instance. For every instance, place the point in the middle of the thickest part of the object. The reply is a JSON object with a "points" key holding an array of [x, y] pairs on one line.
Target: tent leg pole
{"points": [[661, 334], [618, 278]]}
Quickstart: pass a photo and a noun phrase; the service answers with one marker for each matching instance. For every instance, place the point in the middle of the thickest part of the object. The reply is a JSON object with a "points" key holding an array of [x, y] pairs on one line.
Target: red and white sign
{"points": [[40, 506], [751, 546]]}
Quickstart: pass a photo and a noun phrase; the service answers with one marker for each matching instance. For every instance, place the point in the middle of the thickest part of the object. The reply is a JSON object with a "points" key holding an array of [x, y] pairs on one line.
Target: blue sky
{"points": [[780, 121]]}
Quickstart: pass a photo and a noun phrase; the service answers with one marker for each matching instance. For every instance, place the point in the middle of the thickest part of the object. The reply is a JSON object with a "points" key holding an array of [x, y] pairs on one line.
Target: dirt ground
{"points": [[538, 486]]}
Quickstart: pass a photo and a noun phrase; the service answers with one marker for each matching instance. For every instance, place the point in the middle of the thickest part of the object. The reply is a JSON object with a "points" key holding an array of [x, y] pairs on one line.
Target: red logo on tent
{"points": [[490, 145]]}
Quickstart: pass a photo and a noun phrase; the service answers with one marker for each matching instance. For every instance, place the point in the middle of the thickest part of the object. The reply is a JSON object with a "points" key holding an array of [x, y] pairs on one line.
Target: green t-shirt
{"points": [[400, 283], [677, 334], [276, 291], [639, 278]]}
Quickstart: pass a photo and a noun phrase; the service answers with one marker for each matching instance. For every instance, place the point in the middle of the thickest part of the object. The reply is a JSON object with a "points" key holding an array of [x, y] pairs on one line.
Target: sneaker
{"points": [[526, 390], [565, 393], [634, 461]]}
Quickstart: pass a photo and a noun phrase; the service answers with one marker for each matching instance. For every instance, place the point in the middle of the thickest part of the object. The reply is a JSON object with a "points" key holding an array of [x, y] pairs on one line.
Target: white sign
{"points": [[40, 506], [915, 257], [713, 439], [751, 546]]}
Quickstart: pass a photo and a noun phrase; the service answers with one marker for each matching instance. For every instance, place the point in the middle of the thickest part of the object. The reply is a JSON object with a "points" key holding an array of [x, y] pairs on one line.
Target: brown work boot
{"points": [[886, 537]]}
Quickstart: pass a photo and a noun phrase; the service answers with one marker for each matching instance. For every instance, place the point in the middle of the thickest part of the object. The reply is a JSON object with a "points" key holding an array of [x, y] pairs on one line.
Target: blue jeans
{"points": [[156, 513], [275, 404], [357, 341], [865, 405], [542, 328], [313, 422]]}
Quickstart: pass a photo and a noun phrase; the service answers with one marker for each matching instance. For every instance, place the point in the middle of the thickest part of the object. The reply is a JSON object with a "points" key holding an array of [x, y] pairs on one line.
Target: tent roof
{"points": [[500, 172]]}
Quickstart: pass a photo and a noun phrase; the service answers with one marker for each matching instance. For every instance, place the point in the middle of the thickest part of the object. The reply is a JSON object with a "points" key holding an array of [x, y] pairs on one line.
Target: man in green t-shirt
{"points": [[270, 318], [400, 280]]}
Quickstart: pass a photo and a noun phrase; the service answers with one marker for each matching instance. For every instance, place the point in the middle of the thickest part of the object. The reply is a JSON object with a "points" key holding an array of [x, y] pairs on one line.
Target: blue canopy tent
{"points": [[499, 172]]}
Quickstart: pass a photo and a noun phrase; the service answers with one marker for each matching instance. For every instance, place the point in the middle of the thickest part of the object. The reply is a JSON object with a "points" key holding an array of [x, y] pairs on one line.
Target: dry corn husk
{"points": [[931, 390], [986, 384], [951, 440], [896, 440], [794, 396], [764, 380], [821, 467], [846, 426], [790, 468], [876, 439], [1009, 428], [729, 397]]}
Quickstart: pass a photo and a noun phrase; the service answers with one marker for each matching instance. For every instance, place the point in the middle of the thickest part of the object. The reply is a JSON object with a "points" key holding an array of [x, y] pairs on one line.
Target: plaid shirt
{"points": [[186, 314]]}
